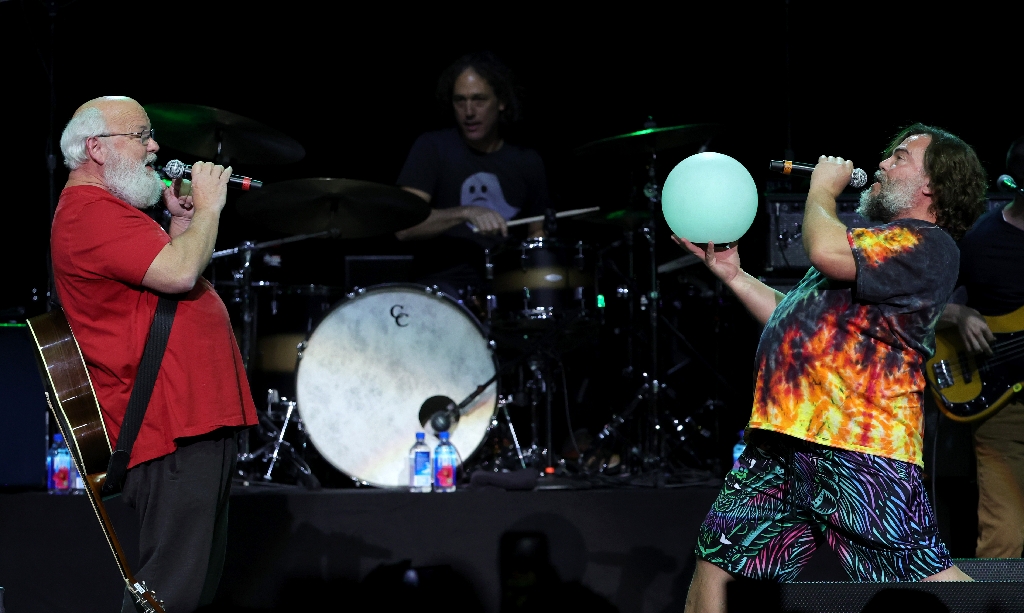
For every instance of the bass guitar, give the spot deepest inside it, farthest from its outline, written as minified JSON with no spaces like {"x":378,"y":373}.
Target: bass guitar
{"x":70,"y":395}
{"x":971,"y":386}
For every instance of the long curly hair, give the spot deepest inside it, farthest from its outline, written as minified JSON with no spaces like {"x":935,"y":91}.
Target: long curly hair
{"x":497,"y":75}
{"x":957,"y":178}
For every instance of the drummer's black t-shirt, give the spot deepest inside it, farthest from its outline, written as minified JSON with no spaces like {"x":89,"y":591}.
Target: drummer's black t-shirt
{"x":510,"y":181}
{"x":992,"y":265}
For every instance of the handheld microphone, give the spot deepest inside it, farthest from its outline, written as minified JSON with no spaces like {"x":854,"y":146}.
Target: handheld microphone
{"x":175,"y":169}
{"x":858,"y":179}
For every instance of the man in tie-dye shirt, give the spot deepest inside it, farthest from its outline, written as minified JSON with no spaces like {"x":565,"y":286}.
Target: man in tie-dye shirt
{"x":834,"y":439}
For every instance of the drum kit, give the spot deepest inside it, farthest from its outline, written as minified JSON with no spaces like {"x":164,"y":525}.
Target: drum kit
{"x":370,"y":366}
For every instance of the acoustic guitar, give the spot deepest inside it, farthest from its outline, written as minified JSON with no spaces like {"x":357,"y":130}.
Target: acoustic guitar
{"x":969,"y":387}
{"x":70,"y":395}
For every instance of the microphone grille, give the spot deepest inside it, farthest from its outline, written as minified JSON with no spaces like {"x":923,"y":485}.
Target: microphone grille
{"x":174,"y":169}
{"x":858,"y":179}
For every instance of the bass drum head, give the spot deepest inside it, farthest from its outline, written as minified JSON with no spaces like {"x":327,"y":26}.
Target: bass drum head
{"x":370,"y":364}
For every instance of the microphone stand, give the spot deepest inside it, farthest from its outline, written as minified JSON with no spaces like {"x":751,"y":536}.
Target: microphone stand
{"x":444,"y":420}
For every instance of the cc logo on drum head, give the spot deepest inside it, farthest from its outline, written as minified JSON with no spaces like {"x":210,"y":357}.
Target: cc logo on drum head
{"x":399,"y":314}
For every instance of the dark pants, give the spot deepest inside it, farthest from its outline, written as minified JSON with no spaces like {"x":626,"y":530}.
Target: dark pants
{"x":182,"y":503}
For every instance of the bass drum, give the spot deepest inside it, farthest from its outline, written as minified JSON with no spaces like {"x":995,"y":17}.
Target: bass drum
{"x":369,"y":365}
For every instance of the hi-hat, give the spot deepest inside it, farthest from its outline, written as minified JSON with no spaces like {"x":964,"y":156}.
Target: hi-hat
{"x":357,"y":209}
{"x":213,"y":134}
{"x":651,"y":139}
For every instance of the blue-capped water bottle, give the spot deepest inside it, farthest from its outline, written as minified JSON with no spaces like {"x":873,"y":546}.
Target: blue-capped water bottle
{"x":58,"y":467}
{"x":420,"y":476}
{"x":446,"y":461}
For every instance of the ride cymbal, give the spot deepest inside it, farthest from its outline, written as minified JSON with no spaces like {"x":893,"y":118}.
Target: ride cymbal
{"x":357,"y":209}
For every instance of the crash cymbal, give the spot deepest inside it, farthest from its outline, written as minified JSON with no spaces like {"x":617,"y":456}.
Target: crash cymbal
{"x":357,"y":209}
{"x":211,"y":134}
{"x":657,"y":139}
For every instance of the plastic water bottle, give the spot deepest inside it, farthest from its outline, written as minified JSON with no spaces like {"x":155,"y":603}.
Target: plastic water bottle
{"x":446,"y":460}
{"x":419,"y":466}
{"x":58,"y":467}
{"x":737,"y":451}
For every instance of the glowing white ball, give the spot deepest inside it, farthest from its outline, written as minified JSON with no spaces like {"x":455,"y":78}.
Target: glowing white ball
{"x":709,"y":197}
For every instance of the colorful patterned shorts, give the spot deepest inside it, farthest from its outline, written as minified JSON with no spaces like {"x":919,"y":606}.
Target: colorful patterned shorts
{"x":787,"y":496}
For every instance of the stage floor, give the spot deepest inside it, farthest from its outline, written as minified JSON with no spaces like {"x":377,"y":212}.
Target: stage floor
{"x":630,"y":548}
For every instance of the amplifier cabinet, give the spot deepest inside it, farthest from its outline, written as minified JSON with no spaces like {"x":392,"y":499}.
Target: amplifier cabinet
{"x":785,"y":233}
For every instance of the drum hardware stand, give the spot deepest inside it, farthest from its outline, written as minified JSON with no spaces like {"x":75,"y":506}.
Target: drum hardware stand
{"x":243,"y":278}
{"x":503,"y":409}
{"x":539,"y":387}
{"x":442,"y":417}
{"x":654,"y":434}
{"x":277,"y":448}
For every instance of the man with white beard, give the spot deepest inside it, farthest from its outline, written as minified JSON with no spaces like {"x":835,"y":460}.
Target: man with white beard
{"x":834,"y":440}
{"x":111,"y":264}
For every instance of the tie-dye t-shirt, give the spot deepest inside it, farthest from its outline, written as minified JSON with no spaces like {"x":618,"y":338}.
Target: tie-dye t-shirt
{"x":840,"y":363}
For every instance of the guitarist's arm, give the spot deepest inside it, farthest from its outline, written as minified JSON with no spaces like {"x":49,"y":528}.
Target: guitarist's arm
{"x":974,"y":330}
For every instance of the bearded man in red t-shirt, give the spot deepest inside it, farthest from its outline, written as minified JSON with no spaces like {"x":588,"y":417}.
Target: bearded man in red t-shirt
{"x":111,"y":262}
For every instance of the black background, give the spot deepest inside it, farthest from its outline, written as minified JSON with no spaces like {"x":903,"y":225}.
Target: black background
{"x":354,"y":84}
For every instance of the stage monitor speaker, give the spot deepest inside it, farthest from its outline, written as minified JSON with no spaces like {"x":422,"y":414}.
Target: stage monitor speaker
{"x":24,"y":425}
{"x":786,"y":255}
{"x":998,"y":588}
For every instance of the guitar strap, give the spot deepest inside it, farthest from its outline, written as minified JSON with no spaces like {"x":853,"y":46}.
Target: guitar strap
{"x":142,"y":391}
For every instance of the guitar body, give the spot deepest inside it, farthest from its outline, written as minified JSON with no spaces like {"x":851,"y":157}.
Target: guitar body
{"x":969,"y":387}
{"x":73,"y":403}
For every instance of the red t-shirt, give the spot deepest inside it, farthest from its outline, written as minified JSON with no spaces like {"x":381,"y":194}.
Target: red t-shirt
{"x":102,"y":248}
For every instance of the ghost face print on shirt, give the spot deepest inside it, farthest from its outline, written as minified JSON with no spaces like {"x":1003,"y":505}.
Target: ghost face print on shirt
{"x":484,"y":189}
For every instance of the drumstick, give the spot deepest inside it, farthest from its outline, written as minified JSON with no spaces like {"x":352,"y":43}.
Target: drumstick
{"x":558,"y":215}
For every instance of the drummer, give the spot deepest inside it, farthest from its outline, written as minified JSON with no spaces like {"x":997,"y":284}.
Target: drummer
{"x":474,"y":181}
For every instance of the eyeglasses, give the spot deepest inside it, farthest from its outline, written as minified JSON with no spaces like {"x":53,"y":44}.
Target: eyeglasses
{"x":144,"y":137}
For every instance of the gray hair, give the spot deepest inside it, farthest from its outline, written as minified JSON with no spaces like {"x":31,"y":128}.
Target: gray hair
{"x":84,"y":125}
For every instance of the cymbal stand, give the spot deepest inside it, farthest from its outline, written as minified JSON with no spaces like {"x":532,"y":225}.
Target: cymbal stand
{"x":653,"y":452}
{"x":652,"y":439}
{"x":243,"y":279}
{"x":539,"y":389}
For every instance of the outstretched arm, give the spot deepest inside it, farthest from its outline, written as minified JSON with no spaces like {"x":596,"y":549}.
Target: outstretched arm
{"x":759,"y":299}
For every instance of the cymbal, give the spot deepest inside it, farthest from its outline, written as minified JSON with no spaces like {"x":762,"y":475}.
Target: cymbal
{"x":357,"y":209}
{"x":630,"y":219}
{"x":200,"y":130}
{"x":657,"y":139}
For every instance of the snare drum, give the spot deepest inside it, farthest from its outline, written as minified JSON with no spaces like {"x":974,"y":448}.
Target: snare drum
{"x":370,"y":364}
{"x":540,"y":280}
